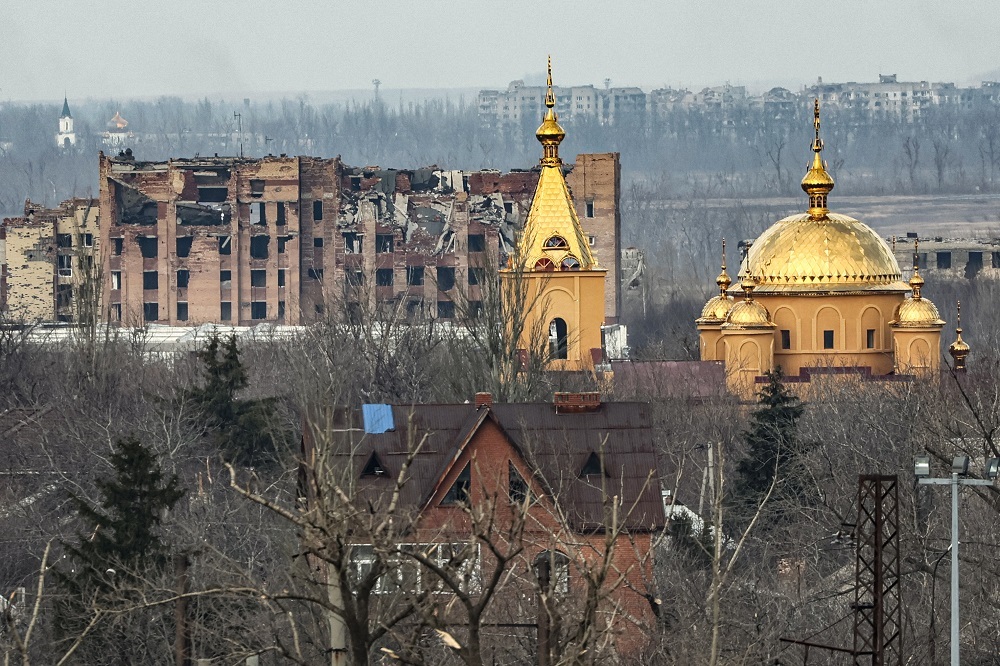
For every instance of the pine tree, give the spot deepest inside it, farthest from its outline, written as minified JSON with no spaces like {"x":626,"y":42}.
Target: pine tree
{"x":772,"y":443}
{"x":120,"y":546}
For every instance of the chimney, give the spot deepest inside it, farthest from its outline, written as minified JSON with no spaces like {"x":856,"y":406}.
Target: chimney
{"x":574,"y":403}
{"x":484,"y":400}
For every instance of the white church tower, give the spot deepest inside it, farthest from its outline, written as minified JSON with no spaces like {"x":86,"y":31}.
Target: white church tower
{"x":66,"y":136}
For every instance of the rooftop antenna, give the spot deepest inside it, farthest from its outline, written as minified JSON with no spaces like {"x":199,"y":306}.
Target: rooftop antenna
{"x":376,"y":83}
{"x":239,"y":126}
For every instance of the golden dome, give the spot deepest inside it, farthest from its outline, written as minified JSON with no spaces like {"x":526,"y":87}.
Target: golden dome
{"x":550,"y":133}
{"x":835,"y":253}
{"x":748,"y":313}
{"x":916,"y":312}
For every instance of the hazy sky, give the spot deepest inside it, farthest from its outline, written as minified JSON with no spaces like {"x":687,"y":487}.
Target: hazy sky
{"x":137,"y":49}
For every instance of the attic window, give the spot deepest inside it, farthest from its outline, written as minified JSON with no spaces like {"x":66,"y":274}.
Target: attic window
{"x":592,"y":467}
{"x":570,"y":263}
{"x":544,"y":264}
{"x":459,"y":491}
{"x":374,"y":467}
{"x":517,"y":487}
{"x":556,"y":243}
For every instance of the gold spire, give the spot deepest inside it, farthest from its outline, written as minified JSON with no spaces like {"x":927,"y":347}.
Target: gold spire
{"x":916,"y":282}
{"x":959,"y":349}
{"x":817,"y":182}
{"x":550,"y":134}
{"x":553,"y":237}
{"x":747,"y":284}
{"x":723,"y":280}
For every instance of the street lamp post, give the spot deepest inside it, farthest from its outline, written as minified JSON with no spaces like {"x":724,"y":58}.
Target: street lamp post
{"x":959,"y":470}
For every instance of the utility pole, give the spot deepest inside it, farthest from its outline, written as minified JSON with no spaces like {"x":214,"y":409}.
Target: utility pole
{"x":239,"y":128}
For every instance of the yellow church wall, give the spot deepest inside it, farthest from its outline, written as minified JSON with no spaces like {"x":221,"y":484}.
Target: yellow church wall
{"x":918,"y":350}
{"x":849,"y":316}
{"x":748,"y":355}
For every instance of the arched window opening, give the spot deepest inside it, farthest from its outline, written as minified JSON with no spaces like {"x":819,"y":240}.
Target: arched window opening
{"x":552,"y":569}
{"x":558,"y":339}
{"x":570,"y":263}
{"x":556,"y":243}
{"x":544,"y":264}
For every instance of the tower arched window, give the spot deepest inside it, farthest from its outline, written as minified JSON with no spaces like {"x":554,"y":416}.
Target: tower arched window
{"x":544,"y":264}
{"x":552,"y":569}
{"x":556,"y":243}
{"x":558,"y":339}
{"x":570,"y":263}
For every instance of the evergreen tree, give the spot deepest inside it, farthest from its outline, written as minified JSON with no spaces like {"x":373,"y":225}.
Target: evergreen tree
{"x":120,"y":547}
{"x":771,"y":442}
{"x":242,"y":429}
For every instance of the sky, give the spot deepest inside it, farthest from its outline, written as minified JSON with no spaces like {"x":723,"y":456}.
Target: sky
{"x":122,"y":50}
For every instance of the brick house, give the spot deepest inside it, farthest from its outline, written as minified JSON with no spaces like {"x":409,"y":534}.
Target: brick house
{"x":573,"y":484}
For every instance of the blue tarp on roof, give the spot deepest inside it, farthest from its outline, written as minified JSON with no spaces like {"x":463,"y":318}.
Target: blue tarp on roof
{"x":378,"y":418}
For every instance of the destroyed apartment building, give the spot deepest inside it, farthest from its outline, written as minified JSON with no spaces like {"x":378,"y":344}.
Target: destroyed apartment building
{"x":48,"y":268}
{"x":286,"y":240}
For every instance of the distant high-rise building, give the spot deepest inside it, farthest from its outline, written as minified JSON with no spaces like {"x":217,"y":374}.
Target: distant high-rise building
{"x":66,"y":137}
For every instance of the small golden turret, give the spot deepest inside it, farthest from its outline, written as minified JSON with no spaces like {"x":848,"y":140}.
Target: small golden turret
{"x":817,"y":182}
{"x":723,"y":280}
{"x":550,"y":134}
{"x":916,"y":282}
{"x":748,"y":313}
{"x":959,"y":349}
{"x":916,"y":312}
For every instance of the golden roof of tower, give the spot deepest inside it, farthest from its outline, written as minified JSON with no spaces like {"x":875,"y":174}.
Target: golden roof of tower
{"x":748,"y":313}
{"x":553,"y":238}
{"x":820,"y":251}
{"x":716,"y":309}
{"x":916,"y":313}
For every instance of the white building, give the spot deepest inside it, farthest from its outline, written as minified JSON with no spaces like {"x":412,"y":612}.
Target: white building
{"x":66,"y":137}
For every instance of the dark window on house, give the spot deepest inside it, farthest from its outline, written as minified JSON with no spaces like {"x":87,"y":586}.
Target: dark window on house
{"x":383,"y":277}
{"x":354,"y":278}
{"x":116,"y":279}
{"x":88,"y":240}
{"x":996,"y":260}
{"x":150,"y":280}
{"x":355,"y":183}
{"x":446,"y":309}
{"x":225,"y":245}
{"x":827,"y":339}
{"x":225,"y":311}
{"x":64,"y":262}
{"x":870,"y":338}
{"x":150,"y":311}
{"x":258,"y":246}
{"x":373,"y":467}
{"x":257,"y":213}
{"x":384,"y":243}
{"x":182,"y":311}
{"x":64,"y":240}
{"x":318,"y":241}
{"x":944,"y":259}
{"x":786,"y":339}
{"x":282,"y":272}
{"x":280,"y":220}
{"x":281,"y":309}
{"x":413,"y":307}
{"x":414,"y":275}
{"x":148,"y":246}
{"x":317,"y":210}
{"x":316,"y":273}
{"x":116,"y":311}
{"x":118,"y":243}
{"x":258,"y":278}
{"x":517,"y":487}
{"x":212,"y":194}
{"x":256,"y":188}
{"x":590,"y":209}
{"x":226,"y":279}
{"x":475,"y":275}
{"x":508,"y":207}
{"x":258,"y":309}
{"x":974,"y":265}
{"x":64,"y":295}
{"x":183,"y":275}
{"x":477,"y":243}
{"x":184,"y":245}
{"x":593,"y":466}
{"x":352,"y":243}
{"x":445,"y":278}
{"x":475,"y":309}
{"x":558,"y":339}
{"x":281,"y":243}
{"x":459,"y":491}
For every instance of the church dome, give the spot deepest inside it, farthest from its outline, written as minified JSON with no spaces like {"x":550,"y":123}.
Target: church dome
{"x":916,"y":312}
{"x":716,"y":309}
{"x":834,"y":253}
{"x":748,"y":313}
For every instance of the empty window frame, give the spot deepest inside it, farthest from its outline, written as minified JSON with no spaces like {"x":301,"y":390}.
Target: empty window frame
{"x":459,"y":491}
{"x":445,"y":278}
{"x":225,"y":245}
{"x":282,"y":276}
{"x":183,"y":275}
{"x":258,"y":278}
{"x":384,"y":243}
{"x":827,"y":339}
{"x":64,"y":262}
{"x":870,"y":338}
{"x":446,"y":309}
{"x":149,"y":246}
{"x":258,"y":246}
{"x":64,"y":241}
{"x":281,"y":218}
{"x":786,"y":339}
{"x":88,"y":240}
{"x":118,"y":243}
{"x":226,"y":279}
{"x":317,"y":210}
{"x":352,"y":242}
{"x":415,"y":276}
{"x":116,"y":279}
{"x":944,"y":260}
{"x":383,"y":277}
{"x":477,"y":242}
{"x":151,"y":311}
{"x":226,"y":311}
{"x":558,"y":339}
{"x":590,"y":208}
{"x":315,"y":273}
{"x":182,"y":311}
{"x":184,"y":246}
{"x":318,"y":241}
{"x":150,"y":280}
{"x":281,"y":309}
{"x":258,"y":309}
{"x":256,"y":187}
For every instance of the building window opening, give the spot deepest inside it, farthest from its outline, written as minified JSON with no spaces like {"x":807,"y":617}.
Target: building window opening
{"x":88,"y":240}
{"x":316,"y":273}
{"x":415,"y":276}
{"x":281,"y":243}
{"x":570,"y":263}
{"x":318,"y":241}
{"x":552,"y":569}
{"x":374,"y":467}
{"x":446,"y":309}
{"x":258,"y":278}
{"x":64,"y":263}
{"x":258,"y":246}
{"x":258,"y":214}
{"x":280,"y":220}
{"x":352,"y":243}
{"x":827,"y":339}
{"x":150,"y":311}
{"x":226,"y":279}
{"x":182,"y":311}
{"x":384,"y":243}
{"x":944,"y":260}
{"x":118,"y":243}
{"x":477,"y":242}
{"x":445,"y":278}
{"x":476,"y":274}
{"x":870,"y":338}
{"x":212,"y":194}
{"x":317,"y":210}
{"x":64,"y":241}
{"x":116,"y":311}
{"x":556,"y":243}
{"x":281,"y":309}
{"x":517,"y":487}
{"x":590,"y":208}
{"x":225,"y":245}
{"x":354,"y":278}
{"x":593,"y":466}
{"x":558,"y":339}
{"x":383,"y":277}
{"x":183,"y":275}
{"x":226,"y":311}
{"x":64,"y":296}
{"x":184,"y":246}
{"x":148,"y":246}
{"x":258,"y":309}
{"x":150,"y":280}
{"x":256,"y":188}
{"x":282,"y":272}
{"x":508,"y":207}
{"x":974,"y":265}
{"x":116,"y":279}
{"x":459,"y":491}
{"x":544,"y":264}
{"x":786,"y":339}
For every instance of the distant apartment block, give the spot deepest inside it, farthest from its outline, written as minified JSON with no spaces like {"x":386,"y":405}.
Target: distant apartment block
{"x":519,"y":103}
{"x":49,"y":268}
{"x":890,"y":97}
{"x":949,"y":257}
{"x":285,"y":239}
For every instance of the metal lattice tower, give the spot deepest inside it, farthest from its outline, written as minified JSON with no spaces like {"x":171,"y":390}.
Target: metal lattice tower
{"x":877,"y":606}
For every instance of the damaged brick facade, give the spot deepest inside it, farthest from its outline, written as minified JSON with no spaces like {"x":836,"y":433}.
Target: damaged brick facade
{"x":49,"y":267}
{"x":285,"y":240}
